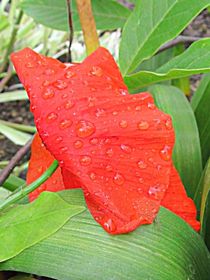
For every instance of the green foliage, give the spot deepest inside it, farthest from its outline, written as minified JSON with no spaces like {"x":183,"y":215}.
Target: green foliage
{"x":200,"y":104}
{"x":167,"y":249}
{"x":187,"y":153}
{"x":26,"y":225}
{"x":195,"y":60}
{"x":108,"y":14}
{"x":152,"y":24}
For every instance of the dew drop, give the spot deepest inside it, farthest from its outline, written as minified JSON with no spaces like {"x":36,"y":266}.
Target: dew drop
{"x":118,"y":179}
{"x":168,"y":124}
{"x":85,"y":160}
{"x":92,"y":176}
{"x":78,"y":144}
{"x":69,"y":74}
{"x":52,"y":116}
{"x":65,"y":95}
{"x":58,"y":139}
{"x":165,"y":153}
{"x":96,"y":71}
{"x":30,"y":65}
{"x":48,"y":93}
{"x":94,"y":141}
{"x":45,"y":83}
{"x":60,"y":84}
{"x":85,"y":129}
{"x":143,"y":125}
{"x":65,"y":124}
{"x":110,"y":152}
{"x":109,"y":168}
{"x":151,"y":106}
{"x":123,"y":124}
{"x":68,"y":105}
{"x":63,"y":149}
{"x":115,"y":113}
{"x":141,"y":164}
{"x":49,"y":72}
{"x":109,"y":225}
{"x":138,"y":108}
{"x":126,"y":149}
{"x":100,"y":112}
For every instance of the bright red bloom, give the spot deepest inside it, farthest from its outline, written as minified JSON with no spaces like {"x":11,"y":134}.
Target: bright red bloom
{"x":115,"y":146}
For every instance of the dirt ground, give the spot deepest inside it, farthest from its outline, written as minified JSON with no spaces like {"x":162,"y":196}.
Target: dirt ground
{"x":19,"y":111}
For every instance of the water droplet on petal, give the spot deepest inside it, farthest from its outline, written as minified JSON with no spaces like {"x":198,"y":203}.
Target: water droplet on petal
{"x":141,"y":164}
{"x":96,"y":71}
{"x":118,"y":179}
{"x":78,"y":144}
{"x":60,"y":84}
{"x":94,"y":141}
{"x":59,"y":139}
{"x":69,"y":74}
{"x":123,"y":124}
{"x":65,"y":95}
{"x":165,"y":153}
{"x":49,"y":72}
{"x":126,"y":149}
{"x":46,"y":83}
{"x":30,"y":65}
{"x":110,"y":152}
{"x":68,"y":105}
{"x":138,"y":108}
{"x":85,"y":129}
{"x":109,"y":168}
{"x":143,"y":125}
{"x":100,"y":112}
{"x":109,"y":225}
{"x":65,"y":124}
{"x":92,"y":176}
{"x":85,"y":160}
{"x":114,"y":113}
{"x":151,"y":106}
{"x":52,"y":116}
{"x":64,"y":149}
{"x":48,"y":93}
{"x":168,"y":124}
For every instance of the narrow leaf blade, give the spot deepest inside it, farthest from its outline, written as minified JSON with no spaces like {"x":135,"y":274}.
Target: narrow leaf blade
{"x":151,"y":25}
{"x":187,"y":153}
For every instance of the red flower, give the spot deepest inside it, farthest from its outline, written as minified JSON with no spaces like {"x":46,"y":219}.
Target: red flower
{"x":115,"y":146}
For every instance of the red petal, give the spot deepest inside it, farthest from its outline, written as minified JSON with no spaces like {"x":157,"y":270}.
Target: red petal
{"x":117,"y":146}
{"x":40,"y":161}
{"x":177,"y":201}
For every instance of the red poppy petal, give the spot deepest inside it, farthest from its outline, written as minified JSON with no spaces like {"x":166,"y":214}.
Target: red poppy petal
{"x":39,"y":162}
{"x":117,"y":146}
{"x":177,"y":201}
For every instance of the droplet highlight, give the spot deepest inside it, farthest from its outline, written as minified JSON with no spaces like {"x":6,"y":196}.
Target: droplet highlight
{"x":85,"y":128}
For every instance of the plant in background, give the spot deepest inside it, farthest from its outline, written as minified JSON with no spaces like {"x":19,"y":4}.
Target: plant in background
{"x":117,"y":148}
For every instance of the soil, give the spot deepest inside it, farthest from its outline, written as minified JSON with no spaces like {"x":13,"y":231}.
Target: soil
{"x":18,"y":112}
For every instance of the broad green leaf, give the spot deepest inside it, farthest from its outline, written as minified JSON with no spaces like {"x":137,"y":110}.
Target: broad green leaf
{"x":195,"y":60}
{"x":13,"y":96}
{"x":168,"y":249}
{"x":26,"y":225}
{"x":187,"y":153}
{"x":3,"y":22}
{"x":153,"y":23}
{"x":201,"y":106}
{"x":17,"y":137}
{"x":108,"y":13}
{"x":3,"y":194}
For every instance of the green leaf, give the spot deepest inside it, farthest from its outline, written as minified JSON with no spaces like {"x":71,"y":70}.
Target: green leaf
{"x":203,"y":197}
{"x":167,"y":249}
{"x":187,"y":153}
{"x":20,"y":127}
{"x":153,"y":23}
{"x":13,"y":182}
{"x":195,"y":60}
{"x":201,"y":106}
{"x":17,"y":137}
{"x":13,"y":96}
{"x":108,"y":13}
{"x":26,"y":225}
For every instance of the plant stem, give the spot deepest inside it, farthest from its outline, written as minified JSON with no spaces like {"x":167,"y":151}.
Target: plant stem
{"x":88,"y":25}
{"x":71,"y":30}
{"x":11,"y":42}
{"x":23,"y":191}
{"x":14,"y":161}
